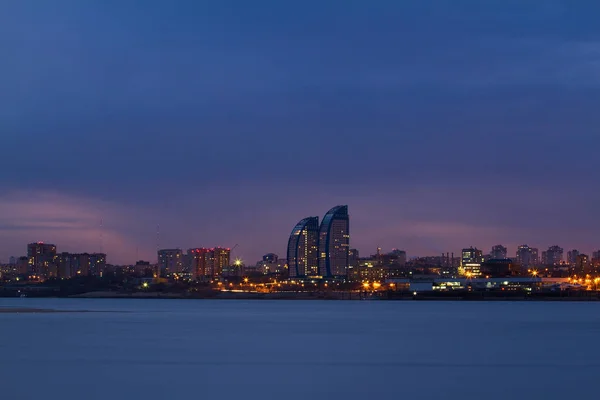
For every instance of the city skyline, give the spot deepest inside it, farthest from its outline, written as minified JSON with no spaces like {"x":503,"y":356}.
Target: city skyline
{"x":520,"y":253}
{"x":442,"y":125}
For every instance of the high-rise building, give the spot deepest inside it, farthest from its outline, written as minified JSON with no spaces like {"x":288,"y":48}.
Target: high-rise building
{"x":23,"y":265}
{"x":222,"y":259}
{"x":552,"y":256}
{"x":527,"y":256}
{"x":582,"y":264}
{"x":334,"y":242}
{"x":353,"y":257}
{"x":198,"y":259}
{"x":207,"y":263}
{"x":471,"y":261}
{"x":73,"y":264}
{"x":42,"y":259}
{"x":170,"y":261}
{"x":303,"y":248}
{"x":572,"y":257}
{"x":498,"y":252}
{"x":271,"y":265}
{"x":535,"y":256}
{"x":401,"y":256}
{"x":596,"y":258}
{"x":97,"y":264}
{"x":143,"y":268}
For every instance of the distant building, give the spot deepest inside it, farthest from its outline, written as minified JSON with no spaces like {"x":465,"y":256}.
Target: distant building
{"x":23,"y":265}
{"x":42,"y":259}
{"x":572,"y":257}
{"x":170,"y":261}
{"x":97,"y":264}
{"x":272,"y":265}
{"x":143,"y":268}
{"x":527,"y":256}
{"x":497,"y":268}
{"x":198,"y":262}
{"x":208,"y":262}
{"x":73,"y":264}
{"x":221,"y":259}
{"x":582,"y":264}
{"x":596,"y":258}
{"x":270,"y":258}
{"x":471,"y":261}
{"x":334,"y":243}
{"x":400,"y":256}
{"x":498,"y":252}
{"x":278,"y":268}
{"x":353,"y":258}
{"x":552,"y":256}
{"x":303,"y":247}
{"x":12,"y":261}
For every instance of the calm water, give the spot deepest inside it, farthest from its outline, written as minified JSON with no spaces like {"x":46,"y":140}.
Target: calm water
{"x":171,"y":349}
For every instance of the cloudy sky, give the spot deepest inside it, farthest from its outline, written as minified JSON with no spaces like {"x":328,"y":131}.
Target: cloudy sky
{"x":442,"y":124}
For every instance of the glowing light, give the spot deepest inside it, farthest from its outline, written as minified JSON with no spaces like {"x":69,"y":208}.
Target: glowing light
{"x":237,"y":262}
{"x":145,"y":284}
{"x":366,"y":285}
{"x":245,"y":280}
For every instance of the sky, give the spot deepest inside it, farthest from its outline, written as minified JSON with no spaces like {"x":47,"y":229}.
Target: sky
{"x":442,"y":124}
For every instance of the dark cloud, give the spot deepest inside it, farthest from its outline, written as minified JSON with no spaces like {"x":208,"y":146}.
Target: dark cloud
{"x":222,"y":119}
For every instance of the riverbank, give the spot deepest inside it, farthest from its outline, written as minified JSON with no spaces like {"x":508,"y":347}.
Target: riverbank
{"x":397,"y":296}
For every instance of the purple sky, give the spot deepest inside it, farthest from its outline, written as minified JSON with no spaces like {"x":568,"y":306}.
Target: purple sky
{"x":441,"y":124}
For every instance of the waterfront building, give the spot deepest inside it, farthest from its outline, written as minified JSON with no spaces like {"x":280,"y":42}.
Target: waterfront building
{"x":334,"y":243}
{"x":205,"y":263}
{"x":471,"y":261}
{"x":272,"y":265}
{"x":500,"y":267}
{"x":73,"y":264}
{"x":198,"y":260}
{"x":170,"y":261}
{"x":303,"y":247}
{"x":42,"y":259}
{"x":221,"y":260}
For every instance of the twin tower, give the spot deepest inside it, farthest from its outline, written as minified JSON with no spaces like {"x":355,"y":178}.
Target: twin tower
{"x":320,"y":250}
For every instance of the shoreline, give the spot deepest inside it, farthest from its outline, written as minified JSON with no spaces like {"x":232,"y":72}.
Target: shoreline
{"x":331,"y":296}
